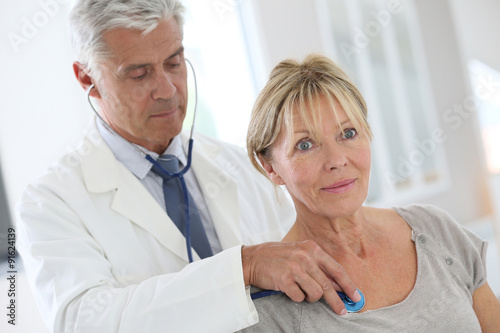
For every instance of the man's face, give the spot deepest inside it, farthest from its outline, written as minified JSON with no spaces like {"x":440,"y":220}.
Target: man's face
{"x":143,"y":85}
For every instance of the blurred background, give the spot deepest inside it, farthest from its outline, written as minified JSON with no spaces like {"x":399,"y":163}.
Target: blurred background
{"x":429,"y":70}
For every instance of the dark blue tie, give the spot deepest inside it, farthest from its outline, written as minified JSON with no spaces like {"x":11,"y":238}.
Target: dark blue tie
{"x":174,"y":202}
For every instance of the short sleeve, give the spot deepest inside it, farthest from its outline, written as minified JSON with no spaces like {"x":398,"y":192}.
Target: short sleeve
{"x":457,"y":240}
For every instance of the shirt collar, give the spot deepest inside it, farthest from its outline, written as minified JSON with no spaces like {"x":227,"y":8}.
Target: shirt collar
{"x":175,"y":148}
{"x":132,"y":155}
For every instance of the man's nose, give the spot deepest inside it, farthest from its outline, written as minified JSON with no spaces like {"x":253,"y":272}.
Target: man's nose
{"x":165,"y":87}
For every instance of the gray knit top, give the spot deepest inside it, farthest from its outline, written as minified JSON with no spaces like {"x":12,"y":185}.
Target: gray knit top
{"x":451,"y":265}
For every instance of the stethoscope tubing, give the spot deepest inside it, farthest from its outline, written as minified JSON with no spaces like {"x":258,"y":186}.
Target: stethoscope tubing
{"x":350,"y":305}
{"x":179,"y":174}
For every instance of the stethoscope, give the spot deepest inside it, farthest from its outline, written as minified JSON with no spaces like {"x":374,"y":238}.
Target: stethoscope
{"x":179,"y":174}
{"x":349,"y":304}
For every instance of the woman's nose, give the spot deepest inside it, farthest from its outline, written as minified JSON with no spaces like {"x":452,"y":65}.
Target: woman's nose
{"x":334,"y":156}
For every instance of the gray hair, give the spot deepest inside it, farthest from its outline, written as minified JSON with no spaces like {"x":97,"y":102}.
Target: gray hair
{"x":90,"y":19}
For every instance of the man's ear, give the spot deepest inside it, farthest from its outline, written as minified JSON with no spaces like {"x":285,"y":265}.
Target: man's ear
{"x":84,"y":79}
{"x":271,"y":172}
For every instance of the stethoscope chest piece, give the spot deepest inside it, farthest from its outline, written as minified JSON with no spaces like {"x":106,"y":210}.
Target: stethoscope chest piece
{"x":350,"y":305}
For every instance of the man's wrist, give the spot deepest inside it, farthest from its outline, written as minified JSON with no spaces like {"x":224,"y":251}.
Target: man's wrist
{"x":246,"y":259}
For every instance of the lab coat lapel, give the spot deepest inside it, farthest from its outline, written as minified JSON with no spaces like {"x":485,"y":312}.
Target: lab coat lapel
{"x":103,"y":173}
{"x":135,"y":202}
{"x":220,"y":192}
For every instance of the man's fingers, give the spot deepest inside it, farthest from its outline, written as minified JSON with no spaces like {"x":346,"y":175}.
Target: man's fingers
{"x":317,"y":284}
{"x":333,"y":299}
{"x":295,"y":293}
{"x":330,"y":277}
{"x":302,"y":270}
{"x":320,"y":285}
{"x":310,"y":287}
{"x":341,"y":282}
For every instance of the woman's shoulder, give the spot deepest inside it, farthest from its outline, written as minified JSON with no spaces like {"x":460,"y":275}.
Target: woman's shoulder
{"x":429,"y":219}
{"x":437,"y":224}
{"x":453,"y":237}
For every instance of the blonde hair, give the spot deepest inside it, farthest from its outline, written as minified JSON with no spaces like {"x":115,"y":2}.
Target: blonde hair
{"x":299,"y":86}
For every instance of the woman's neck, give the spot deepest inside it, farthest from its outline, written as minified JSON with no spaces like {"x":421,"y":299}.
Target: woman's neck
{"x":347,"y":235}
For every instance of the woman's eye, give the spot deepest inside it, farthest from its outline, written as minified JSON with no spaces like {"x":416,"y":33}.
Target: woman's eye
{"x":304,"y":145}
{"x":349,"y":133}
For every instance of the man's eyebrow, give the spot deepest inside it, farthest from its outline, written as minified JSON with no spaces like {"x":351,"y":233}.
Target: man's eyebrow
{"x":176,"y":53}
{"x":132,"y":67}
{"x":136,"y":66}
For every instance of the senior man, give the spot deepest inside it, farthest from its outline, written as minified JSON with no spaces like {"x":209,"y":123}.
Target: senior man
{"x":103,"y":247}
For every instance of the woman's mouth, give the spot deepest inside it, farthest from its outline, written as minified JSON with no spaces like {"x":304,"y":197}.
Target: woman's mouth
{"x":341,"y":186}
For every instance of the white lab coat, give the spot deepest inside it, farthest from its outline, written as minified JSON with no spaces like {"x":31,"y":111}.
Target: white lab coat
{"x":102,"y":256}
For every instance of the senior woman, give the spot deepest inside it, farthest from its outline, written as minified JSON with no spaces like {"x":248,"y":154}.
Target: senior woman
{"x":418,"y":269}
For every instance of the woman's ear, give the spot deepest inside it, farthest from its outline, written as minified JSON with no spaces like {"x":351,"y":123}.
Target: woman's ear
{"x":84,"y":79}
{"x":271,"y":172}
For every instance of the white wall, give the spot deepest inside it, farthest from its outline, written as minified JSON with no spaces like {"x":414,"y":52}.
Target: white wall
{"x":477,"y":25}
{"x":467,"y":197}
{"x":42,"y":114}
{"x":42,"y":109}
{"x":286,"y":29}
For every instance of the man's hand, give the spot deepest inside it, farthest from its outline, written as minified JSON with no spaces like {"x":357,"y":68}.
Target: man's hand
{"x":301,"y":270}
